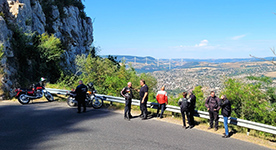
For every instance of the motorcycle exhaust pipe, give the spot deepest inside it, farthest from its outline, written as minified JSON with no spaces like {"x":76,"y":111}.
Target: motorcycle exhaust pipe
{"x":32,"y":97}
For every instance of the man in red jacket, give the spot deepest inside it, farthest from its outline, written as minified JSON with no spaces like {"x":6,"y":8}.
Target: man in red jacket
{"x":162,"y":99}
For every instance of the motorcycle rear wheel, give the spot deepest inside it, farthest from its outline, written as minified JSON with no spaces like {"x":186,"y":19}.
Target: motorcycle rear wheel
{"x":70,"y":102}
{"x":23,"y":99}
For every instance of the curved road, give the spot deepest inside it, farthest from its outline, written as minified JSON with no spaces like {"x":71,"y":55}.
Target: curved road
{"x":43,"y":125}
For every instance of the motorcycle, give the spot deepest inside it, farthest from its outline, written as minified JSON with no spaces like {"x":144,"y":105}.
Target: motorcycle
{"x":91,"y":98}
{"x":25,"y":95}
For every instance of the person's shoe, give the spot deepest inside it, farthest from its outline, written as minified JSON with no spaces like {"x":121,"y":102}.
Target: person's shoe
{"x":130,"y":116}
{"x":210,"y":128}
{"x":216,"y":129}
{"x":161,"y":117}
{"x":225,"y":136}
{"x":190,"y":127}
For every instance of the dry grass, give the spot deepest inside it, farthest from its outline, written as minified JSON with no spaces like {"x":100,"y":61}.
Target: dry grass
{"x":271,"y":74}
{"x":232,"y":65}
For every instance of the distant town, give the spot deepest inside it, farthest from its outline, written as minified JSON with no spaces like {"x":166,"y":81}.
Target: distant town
{"x":211,"y":78}
{"x":185,"y":74}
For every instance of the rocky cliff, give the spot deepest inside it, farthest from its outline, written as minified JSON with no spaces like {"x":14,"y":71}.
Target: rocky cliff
{"x":74,"y":31}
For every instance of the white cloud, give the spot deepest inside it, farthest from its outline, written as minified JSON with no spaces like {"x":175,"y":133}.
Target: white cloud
{"x":202,"y":43}
{"x":238,"y":37}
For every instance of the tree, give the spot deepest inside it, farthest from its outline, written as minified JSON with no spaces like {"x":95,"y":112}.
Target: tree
{"x":107,"y":77}
{"x":200,"y":104}
{"x":249,"y":101}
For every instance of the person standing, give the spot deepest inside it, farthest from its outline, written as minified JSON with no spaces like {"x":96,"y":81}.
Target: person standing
{"x":192,"y":99}
{"x":143,"y":99}
{"x":226,"y":112}
{"x":162,"y":99}
{"x":127,"y":94}
{"x":213,"y":105}
{"x":81,"y":95}
{"x":184,"y":109}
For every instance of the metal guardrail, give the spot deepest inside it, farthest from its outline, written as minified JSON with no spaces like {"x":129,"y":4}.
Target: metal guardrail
{"x":57,"y":91}
{"x":202,"y":114}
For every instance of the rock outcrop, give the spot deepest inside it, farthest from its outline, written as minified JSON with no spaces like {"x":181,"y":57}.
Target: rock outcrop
{"x":75,"y":33}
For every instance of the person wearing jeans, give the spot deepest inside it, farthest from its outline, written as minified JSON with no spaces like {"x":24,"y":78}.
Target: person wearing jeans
{"x":162,"y":99}
{"x":226,"y":112}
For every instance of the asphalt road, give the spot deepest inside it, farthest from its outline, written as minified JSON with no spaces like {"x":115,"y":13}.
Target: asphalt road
{"x":43,"y":125}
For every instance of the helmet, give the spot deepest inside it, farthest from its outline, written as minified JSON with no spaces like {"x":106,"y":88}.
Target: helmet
{"x":90,"y":85}
{"x":42,"y":79}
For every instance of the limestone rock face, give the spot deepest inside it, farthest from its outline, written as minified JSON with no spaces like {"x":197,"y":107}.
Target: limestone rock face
{"x":76,"y":33}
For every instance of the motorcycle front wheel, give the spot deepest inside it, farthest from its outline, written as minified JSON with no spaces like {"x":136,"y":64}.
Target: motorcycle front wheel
{"x":71,"y":101}
{"x":49,"y":96}
{"x":23,"y":99}
{"x":97,"y":102}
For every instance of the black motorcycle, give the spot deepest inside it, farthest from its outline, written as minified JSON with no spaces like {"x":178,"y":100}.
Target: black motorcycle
{"x":91,"y":98}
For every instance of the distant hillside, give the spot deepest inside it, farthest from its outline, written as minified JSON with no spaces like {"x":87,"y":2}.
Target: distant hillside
{"x":129,"y":58}
{"x":150,"y":64}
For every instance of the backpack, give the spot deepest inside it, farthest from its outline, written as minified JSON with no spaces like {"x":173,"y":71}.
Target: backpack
{"x":184,"y":104}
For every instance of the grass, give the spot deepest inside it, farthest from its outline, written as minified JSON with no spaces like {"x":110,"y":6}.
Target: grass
{"x":57,"y":86}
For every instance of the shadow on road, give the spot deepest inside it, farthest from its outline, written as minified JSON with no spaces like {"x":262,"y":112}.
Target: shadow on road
{"x":25,"y":126}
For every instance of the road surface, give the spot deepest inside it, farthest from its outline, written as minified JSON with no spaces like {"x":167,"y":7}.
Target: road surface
{"x":45,"y":125}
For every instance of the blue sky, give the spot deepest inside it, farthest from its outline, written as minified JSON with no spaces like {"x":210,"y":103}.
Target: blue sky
{"x":184,"y":28}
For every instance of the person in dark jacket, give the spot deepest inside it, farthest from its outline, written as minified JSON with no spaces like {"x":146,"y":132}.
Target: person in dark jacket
{"x":143,"y":92}
{"x":226,"y":112}
{"x":127,"y":94}
{"x":192,"y":99}
{"x":143,"y":99}
{"x":184,"y":108}
{"x":212,"y":104}
{"x":81,"y":95}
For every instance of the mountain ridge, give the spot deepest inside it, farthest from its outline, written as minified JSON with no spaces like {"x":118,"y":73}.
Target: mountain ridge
{"x":131,"y":58}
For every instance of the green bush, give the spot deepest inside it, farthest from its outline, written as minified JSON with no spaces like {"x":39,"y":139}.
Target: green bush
{"x":36,"y":56}
{"x":107,"y":77}
{"x":200,"y":99}
{"x":250,"y":101}
{"x":1,"y":51}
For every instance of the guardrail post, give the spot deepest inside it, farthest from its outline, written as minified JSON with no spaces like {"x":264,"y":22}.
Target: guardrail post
{"x":111,"y":103}
{"x":173,"y":114}
{"x":248,"y":130}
